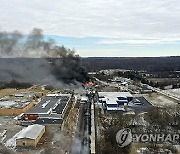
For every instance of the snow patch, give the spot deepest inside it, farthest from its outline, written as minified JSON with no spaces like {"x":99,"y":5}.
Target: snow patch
{"x":7,"y":104}
{"x":173,"y":92}
{"x":11,"y":143}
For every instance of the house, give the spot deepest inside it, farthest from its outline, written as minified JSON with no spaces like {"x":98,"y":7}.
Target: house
{"x":30,"y":136}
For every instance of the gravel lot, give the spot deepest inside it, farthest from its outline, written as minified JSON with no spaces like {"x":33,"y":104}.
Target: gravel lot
{"x":9,"y":124}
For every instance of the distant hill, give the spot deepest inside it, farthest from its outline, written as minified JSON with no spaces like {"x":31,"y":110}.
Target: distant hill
{"x":135,"y":63}
{"x":54,"y":70}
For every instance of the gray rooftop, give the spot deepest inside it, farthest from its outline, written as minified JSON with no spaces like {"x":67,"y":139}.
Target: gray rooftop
{"x":51,"y":116}
{"x":50,"y":103}
{"x":31,"y":132}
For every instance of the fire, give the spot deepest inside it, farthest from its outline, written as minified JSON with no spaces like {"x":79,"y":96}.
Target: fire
{"x":89,"y":83}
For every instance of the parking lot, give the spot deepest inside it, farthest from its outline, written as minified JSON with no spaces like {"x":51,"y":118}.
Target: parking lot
{"x":144,"y":107}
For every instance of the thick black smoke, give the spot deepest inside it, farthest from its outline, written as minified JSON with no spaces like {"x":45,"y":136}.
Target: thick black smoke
{"x":33,"y":59}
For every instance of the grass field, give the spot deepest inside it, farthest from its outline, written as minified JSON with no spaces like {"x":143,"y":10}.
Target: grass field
{"x":160,"y":100}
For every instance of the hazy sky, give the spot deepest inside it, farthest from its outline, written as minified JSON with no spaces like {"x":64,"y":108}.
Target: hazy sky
{"x":100,"y":27}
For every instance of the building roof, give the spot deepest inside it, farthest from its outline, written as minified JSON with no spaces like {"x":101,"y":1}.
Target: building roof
{"x":116,"y":94}
{"x":50,"y":116}
{"x":51,"y":103}
{"x":84,"y":98}
{"x":19,"y":95}
{"x":112,"y":97}
{"x":58,"y":94}
{"x":45,"y":121}
{"x":59,"y":108}
{"x":31,"y":132}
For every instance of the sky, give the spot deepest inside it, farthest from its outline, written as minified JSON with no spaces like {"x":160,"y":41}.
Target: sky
{"x":100,"y":28}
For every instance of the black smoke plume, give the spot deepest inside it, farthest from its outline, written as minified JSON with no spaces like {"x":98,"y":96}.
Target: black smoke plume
{"x":32,"y":59}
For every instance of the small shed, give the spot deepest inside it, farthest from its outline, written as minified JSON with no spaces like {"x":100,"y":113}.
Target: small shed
{"x":30,"y":136}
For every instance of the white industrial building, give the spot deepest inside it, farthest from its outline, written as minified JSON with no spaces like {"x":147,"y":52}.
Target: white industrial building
{"x":114,"y":100}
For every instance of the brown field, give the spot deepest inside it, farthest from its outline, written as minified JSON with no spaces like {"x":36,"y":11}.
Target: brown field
{"x":162,"y":80}
{"x":159,"y":100}
{"x":8,"y":91}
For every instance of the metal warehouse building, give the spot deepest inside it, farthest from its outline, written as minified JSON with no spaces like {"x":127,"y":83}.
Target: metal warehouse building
{"x":30,"y":136}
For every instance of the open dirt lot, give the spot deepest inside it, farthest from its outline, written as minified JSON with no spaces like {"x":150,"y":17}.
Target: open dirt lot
{"x":8,"y":125}
{"x":53,"y":141}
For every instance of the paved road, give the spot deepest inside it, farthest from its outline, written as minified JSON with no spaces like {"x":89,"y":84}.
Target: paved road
{"x":145,"y":107}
